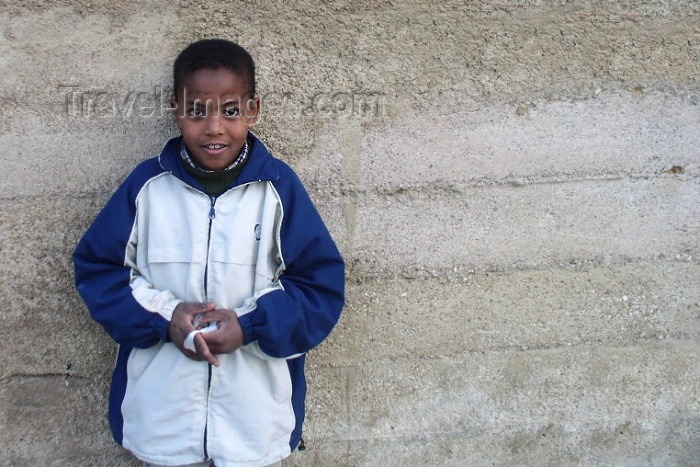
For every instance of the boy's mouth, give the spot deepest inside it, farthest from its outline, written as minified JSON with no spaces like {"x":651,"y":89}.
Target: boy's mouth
{"x":213,"y":147}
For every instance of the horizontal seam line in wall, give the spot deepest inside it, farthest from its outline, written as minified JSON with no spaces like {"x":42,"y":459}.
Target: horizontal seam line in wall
{"x":639,"y":343}
{"x":26,"y":376}
{"x":437,"y":186}
{"x":461,"y":187}
{"x":57,"y":196}
{"x":575,"y":264}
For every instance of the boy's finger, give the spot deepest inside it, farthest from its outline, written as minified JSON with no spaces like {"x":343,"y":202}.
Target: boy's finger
{"x":202,"y":308}
{"x":214,"y":315}
{"x":193,"y":309}
{"x":203,"y":350}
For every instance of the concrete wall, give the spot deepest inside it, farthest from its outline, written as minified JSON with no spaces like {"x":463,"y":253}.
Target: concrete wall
{"x":517,"y":201}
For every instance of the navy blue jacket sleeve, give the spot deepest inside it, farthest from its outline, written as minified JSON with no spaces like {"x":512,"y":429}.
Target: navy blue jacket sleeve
{"x":297,"y":317}
{"x":103,"y":278}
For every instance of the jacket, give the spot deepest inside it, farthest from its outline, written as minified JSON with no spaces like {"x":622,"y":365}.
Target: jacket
{"x":261,"y":249}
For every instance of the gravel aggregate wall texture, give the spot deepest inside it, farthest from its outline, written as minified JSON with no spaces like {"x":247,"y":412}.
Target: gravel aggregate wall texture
{"x":514,"y":185}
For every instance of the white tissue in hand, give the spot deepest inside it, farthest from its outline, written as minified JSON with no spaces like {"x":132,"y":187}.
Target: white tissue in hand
{"x":189,"y":340}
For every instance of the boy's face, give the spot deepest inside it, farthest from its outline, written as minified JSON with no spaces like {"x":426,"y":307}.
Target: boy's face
{"x":214,"y":112}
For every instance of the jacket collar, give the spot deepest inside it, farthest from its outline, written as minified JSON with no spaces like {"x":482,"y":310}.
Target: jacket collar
{"x":259,"y":167}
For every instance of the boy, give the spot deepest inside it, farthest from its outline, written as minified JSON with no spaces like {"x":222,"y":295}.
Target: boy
{"x":214,"y":273}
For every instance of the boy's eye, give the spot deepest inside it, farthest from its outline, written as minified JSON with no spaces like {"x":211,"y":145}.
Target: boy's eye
{"x":230,"y":111}
{"x":196,"y":112}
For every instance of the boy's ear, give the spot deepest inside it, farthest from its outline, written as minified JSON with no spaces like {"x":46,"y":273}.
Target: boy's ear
{"x":252,"y":110}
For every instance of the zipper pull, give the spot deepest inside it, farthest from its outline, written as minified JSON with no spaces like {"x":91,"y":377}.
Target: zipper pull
{"x":212,"y":212}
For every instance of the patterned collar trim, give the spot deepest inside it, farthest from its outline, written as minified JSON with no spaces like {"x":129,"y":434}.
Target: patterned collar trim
{"x":242,"y":156}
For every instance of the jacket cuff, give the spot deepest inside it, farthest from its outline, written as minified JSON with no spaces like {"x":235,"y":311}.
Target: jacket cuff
{"x":246,"y":322}
{"x":161,"y":324}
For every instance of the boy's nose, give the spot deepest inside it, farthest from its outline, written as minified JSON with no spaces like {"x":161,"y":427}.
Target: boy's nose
{"x":214,"y":124}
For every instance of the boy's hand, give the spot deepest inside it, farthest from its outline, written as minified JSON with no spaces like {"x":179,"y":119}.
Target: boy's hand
{"x":228,"y":337}
{"x":181,"y":324}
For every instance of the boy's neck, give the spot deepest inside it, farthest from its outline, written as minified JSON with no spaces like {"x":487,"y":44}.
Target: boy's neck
{"x":214,"y":182}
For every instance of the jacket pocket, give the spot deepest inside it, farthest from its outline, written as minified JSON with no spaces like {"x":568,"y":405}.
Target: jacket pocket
{"x":177,"y":268}
{"x":231,"y":277}
{"x":234,"y":255}
{"x":171,"y":254}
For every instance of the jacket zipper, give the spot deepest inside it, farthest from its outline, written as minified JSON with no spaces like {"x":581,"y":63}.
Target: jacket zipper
{"x":212,"y":214}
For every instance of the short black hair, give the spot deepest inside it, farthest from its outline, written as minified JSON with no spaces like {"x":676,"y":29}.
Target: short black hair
{"x":214,"y":54}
